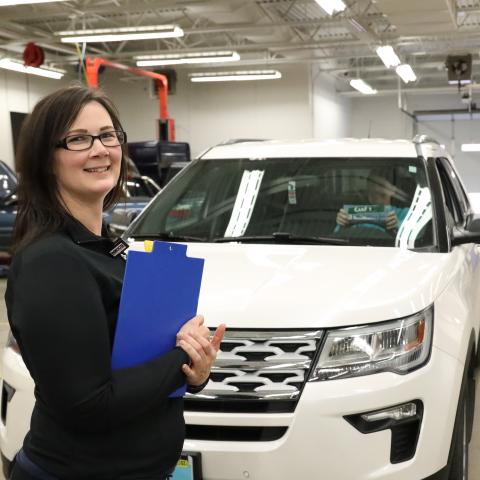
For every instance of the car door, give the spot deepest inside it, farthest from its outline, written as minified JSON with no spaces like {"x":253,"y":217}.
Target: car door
{"x":457,"y":209}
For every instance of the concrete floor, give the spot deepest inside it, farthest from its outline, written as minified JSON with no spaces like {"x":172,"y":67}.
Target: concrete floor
{"x":474,"y":467}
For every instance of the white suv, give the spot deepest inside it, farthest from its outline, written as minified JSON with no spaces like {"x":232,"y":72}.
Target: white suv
{"x":353,"y":319}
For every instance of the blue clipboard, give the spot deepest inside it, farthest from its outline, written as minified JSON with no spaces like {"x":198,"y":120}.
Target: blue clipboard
{"x":159,"y":294}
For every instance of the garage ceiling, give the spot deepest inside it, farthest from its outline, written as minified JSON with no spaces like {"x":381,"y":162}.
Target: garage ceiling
{"x":265,"y":33}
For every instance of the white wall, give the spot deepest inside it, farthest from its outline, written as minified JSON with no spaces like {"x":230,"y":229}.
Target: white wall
{"x":19,"y":93}
{"x":331,"y":112}
{"x":208,"y":113}
{"x":302,"y":104}
{"x":205,"y":114}
{"x":381,"y":116}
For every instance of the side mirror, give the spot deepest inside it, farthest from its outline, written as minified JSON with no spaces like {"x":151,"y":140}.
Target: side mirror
{"x":132,"y":215}
{"x":470,"y":234}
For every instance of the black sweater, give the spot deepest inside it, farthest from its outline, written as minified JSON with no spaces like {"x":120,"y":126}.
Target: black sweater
{"x":89,"y":422}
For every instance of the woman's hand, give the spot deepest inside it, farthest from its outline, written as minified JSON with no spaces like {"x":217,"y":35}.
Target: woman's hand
{"x":194,"y":326}
{"x":342,"y":218}
{"x":202,"y":353}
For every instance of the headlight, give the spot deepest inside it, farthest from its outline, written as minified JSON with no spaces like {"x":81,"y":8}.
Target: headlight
{"x":398,"y":346}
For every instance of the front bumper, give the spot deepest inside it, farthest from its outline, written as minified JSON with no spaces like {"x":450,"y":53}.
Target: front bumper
{"x":16,"y":413}
{"x":320,"y":443}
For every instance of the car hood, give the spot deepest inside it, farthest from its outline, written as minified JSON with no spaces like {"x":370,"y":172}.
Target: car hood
{"x":304,"y":286}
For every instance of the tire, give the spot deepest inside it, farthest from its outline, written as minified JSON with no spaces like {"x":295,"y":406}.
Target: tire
{"x":458,"y":469}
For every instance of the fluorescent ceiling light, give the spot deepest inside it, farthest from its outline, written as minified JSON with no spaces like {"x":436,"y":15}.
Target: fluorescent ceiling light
{"x":388,"y":56}
{"x":332,"y":6}
{"x":406,"y":73}
{"x":362,"y":87}
{"x":17,"y":66}
{"x":6,"y":3}
{"x":465,"y":81}
{"x":236,"y":76}
{"x":120,"y":34}
{"x":470,"y":147}
{"x":190,"y":58}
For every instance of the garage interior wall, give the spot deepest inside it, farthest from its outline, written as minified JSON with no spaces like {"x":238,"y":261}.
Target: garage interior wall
{"x":331,"y":112}
{"x":209,"y":113}
{"x":381,"y":117}
{"x":205,"y":114}
{"x":19,"y":93}
{"x":302,"y":104}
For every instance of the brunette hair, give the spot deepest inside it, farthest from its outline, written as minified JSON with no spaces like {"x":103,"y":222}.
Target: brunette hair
{"x":380,"y":178}
{"x":40,"y":210}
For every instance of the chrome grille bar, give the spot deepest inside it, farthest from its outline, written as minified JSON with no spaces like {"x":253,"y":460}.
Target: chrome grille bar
{"x":261,"y":365}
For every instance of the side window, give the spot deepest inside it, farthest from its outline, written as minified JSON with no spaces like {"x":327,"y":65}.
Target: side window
{"x":453,"y":209}
{"x":8,"y":183}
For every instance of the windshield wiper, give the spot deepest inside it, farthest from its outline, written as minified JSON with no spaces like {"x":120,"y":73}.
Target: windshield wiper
{"x":283,"y":237}
{"x":170,"y":237}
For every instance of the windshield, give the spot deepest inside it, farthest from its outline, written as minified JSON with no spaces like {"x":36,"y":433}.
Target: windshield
{"x":383,"y":202}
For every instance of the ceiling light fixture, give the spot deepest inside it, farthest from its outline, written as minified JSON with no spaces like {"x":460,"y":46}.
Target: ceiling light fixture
{"x":120,"y":34}
{"x":470,"y":147}
{"x":388,"y":56}
{"x":406,"y":73}
{"x":186,"y":58}
{"x":332,"y":6}
{"x":17,"y":66}
{"x":362,"y":86}
{"x":7,"y":3}
{"x":461,"y":82}
{"x":236,"y":76}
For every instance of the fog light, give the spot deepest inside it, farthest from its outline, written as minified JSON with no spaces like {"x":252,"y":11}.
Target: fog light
{"x":403,"y":420}
{"x":401,"y":412}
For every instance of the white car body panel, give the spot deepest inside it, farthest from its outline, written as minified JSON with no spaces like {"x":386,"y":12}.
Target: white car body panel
{"x":345,"y":147}
{"x":18,"y":420}
{"x":373,"y":285}
{"x":319,"y":439}
{"x":323,"y":287}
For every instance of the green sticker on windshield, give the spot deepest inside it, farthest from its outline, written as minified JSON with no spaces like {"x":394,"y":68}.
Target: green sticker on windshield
{"x":412,"y":169}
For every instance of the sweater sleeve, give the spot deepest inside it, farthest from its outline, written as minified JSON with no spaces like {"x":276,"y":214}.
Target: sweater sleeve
{"x":60,"y":323}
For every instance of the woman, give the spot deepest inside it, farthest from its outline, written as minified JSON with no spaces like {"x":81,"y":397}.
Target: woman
{"x":379,"y":192}
{"x":63,"y":292}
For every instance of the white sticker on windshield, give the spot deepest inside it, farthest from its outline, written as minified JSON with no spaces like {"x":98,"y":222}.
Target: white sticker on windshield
{"x":292,"y":192}
{"x":244,"y":203}
{"x":412,"y":169}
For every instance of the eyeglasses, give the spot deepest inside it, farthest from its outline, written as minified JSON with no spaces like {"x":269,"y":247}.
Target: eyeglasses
{"x":84,"y":141}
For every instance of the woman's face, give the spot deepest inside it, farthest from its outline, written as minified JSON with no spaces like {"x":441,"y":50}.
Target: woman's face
{"x":87,"y":176}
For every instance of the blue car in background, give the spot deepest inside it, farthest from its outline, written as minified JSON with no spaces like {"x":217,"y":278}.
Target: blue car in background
{"x":138,"y":192}
{"x":8,"y":212}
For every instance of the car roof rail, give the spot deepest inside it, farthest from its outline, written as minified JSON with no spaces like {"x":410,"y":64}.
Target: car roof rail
{"x":424,"y":139}
{"x":233,"y":141}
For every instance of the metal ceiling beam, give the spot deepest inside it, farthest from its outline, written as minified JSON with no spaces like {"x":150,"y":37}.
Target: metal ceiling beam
{"x":131,"y":6}
{"x":452,"y":10}
{"x":411,"y":90}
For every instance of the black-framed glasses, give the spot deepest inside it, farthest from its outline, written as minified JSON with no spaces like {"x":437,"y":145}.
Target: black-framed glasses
{"x":84,"y":141}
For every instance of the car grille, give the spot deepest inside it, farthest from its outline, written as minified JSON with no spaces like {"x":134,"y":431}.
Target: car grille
{"x":258,"y":371}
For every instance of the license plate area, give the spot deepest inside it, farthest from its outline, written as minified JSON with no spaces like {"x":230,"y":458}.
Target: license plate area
{"x":189,"y":467}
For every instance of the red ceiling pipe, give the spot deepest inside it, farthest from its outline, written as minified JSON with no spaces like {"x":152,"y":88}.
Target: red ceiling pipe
{"x":93,"y":65}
